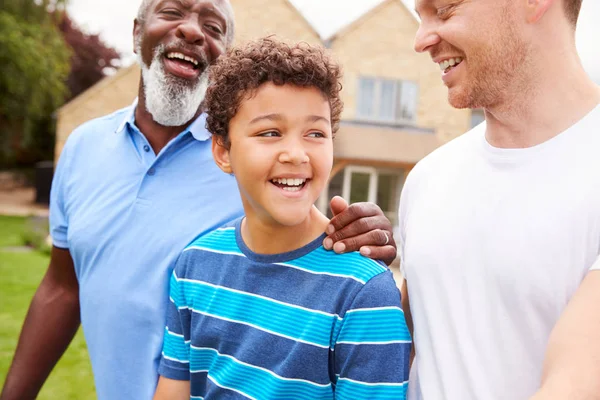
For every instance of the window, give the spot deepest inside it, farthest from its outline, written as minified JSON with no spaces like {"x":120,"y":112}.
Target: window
{"x":477,"y":117}
{"x":386,"y":100}
{"x":356,"y":184}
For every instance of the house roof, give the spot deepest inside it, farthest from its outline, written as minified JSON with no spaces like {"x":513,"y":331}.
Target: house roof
{"x":322,"y":24}
{"x":303,"y":17}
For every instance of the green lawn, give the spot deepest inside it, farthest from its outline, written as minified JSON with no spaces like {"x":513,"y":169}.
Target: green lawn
{"x":20,"y":274}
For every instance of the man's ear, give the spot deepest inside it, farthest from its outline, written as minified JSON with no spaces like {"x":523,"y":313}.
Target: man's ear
{"x":537,"y":8}
{"x":221,"y":154}
{"x":137,"y":30}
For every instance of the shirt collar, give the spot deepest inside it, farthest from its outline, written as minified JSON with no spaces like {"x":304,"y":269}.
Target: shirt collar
{"x":196,"y":128}
{"x":129,"y":116}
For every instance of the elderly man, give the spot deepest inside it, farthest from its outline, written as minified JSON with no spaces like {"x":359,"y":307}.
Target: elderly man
{"x":131,"y":190}
{"x":500,"y":229}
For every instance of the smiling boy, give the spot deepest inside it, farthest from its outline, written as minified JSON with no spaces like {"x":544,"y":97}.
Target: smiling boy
{"x":258,"y":308}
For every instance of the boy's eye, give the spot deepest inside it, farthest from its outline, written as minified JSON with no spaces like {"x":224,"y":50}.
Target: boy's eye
{"x":316,"y":135}
{"x":269,"y":134}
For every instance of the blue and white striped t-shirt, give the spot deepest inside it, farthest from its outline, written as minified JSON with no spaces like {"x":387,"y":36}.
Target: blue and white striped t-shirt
{"x":308,"y":324}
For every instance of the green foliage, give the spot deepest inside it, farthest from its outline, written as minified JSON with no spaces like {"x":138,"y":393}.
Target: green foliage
{"x":21,"y":274}
{"x":35,"y":235}
{"x":10,"y":231}
{"x":34,"y":65}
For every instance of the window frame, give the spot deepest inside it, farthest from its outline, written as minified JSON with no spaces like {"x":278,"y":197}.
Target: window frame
{"x":376,"y":100}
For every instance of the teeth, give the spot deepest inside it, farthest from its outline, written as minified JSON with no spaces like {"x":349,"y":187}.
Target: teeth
{"x":182,"y":57}
{"x":449,"y":63}
{"x":291,"y":189}
{"x":289,"y":182}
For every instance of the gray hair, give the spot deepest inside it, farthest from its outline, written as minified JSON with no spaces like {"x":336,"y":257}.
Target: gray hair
{"x":229,"y":36}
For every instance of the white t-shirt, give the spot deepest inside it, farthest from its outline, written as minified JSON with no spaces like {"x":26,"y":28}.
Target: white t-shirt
{"x":494,"y":242}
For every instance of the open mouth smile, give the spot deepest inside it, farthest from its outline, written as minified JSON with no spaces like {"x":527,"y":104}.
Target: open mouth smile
{"x":290,"y":184}
{"x":450,"y":63}
{"x":183,"y":59}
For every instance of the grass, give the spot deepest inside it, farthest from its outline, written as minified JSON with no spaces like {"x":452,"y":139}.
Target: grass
{"x":20,"y":274}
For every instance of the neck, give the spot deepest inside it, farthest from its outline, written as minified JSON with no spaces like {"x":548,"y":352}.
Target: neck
{"x":158,"y":135}
{"x":554,"y":95}
{"x":264,"y":237}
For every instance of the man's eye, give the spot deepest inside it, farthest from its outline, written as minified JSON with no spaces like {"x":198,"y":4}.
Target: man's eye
{"x":444,"y":12}
{"x":269,"y":134}
{"x":171,"y":13}
{"x":316,"y":135}
{"x":215,"y":29}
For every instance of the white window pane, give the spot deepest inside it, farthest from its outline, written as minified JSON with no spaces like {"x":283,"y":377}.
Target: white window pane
{"x":359,"y":187}
{"x":366,"y":97}
{"x":387,"y":100}
{"x":407,"y":102}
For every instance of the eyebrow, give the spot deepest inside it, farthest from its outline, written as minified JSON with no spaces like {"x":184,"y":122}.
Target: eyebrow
{"x":211,"y":10}
{"x":278,"y":117}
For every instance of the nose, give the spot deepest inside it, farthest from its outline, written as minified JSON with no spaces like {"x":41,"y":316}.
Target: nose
{"x":191,"y":31}
{"x":426,"y":36}
{"x":294,"y":153}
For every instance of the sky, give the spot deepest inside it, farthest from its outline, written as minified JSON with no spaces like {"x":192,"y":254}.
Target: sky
{"x":113,"y":20}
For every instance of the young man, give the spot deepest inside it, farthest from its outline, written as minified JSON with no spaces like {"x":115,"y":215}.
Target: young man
{"x":130,"y":191}
{"x":258,"y":308}
{"x":500,"y":229}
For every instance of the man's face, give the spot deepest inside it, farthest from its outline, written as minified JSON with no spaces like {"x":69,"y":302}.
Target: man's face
{"x":175,"y":44}
{"x":478,"y":46}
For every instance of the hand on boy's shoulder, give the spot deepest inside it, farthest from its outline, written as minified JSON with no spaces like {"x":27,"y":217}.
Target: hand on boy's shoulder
{"x":360,"y":227}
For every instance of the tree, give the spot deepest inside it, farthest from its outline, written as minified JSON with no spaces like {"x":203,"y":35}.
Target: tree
{"x":34,"y":65}
{"x":91,"y":59}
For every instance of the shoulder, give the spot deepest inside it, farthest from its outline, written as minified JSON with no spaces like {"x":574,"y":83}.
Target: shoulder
{"x":450,"y":152}
{"x":89,"y":132}
{"x":222,"y":239}
{"x":448,"y":156}
{"x":351,"y":265}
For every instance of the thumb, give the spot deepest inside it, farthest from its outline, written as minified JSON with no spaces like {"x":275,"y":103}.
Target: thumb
{"x":337,"y":205}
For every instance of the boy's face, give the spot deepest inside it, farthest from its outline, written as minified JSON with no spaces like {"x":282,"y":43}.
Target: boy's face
{"x":281,"y":152}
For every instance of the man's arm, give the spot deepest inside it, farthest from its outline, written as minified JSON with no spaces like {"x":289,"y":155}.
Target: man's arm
{"x":49,"y":327}
{"x":572,"y":364}
{"x":408,"y":316}
{"x":171,"y":389}
{"x":360,"y":226}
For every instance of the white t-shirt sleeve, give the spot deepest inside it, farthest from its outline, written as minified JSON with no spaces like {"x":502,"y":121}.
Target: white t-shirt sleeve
{"x":596,"y":265}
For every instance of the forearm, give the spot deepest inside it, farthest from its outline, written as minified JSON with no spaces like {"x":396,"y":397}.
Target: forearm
{"x":49,"y":327}
{"x":572,"y":365}
{"x":171,"y":389}
{"x":571,"y":371}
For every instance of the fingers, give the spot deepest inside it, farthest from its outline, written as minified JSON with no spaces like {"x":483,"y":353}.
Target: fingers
{"x":387,"y":254}
{"x":354,"y":213}
{"x":337,"y":205}
{"x":372,"y":238}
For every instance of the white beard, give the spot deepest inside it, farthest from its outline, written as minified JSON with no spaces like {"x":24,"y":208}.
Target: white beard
{"x":170,"y":100}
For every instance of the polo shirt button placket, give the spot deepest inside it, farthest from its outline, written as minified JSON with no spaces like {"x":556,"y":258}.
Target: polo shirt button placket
{"x":146,"y":148}
{"x":151,"y":171}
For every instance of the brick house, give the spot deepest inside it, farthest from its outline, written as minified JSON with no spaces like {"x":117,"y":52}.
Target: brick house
{"x":396,"y":109}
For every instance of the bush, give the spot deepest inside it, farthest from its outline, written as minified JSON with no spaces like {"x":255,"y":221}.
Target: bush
{"x":35,"y":235}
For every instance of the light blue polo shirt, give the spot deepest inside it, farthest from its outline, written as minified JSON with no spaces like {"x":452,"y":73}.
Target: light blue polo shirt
{"x":125,"y":214}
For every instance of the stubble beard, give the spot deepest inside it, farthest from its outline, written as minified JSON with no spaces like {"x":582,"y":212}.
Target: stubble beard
{"x":172,"y":101}
{"x":496,"y":72}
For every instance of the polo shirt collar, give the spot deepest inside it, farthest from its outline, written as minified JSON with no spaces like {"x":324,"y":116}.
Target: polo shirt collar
{"x":196,"y":128}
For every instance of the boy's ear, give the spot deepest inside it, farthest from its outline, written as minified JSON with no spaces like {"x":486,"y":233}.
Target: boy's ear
{"x":221,"y":154}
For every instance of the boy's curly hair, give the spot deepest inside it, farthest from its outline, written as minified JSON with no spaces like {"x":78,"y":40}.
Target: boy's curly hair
{"x":244,"y":69}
